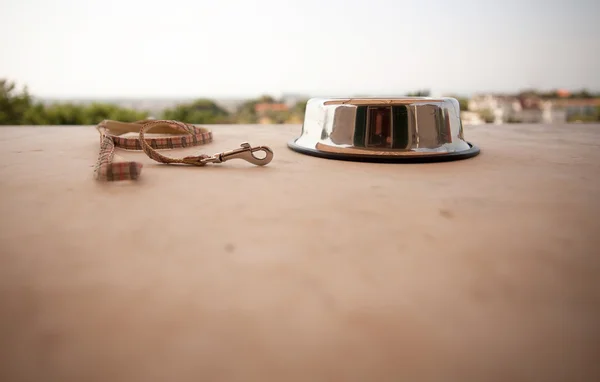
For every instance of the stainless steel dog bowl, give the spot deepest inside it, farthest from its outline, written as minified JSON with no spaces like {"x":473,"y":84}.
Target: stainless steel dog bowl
{"x":411,"y":129}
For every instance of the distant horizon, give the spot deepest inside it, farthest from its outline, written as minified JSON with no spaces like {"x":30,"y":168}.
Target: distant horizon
{"x":276,"y":95}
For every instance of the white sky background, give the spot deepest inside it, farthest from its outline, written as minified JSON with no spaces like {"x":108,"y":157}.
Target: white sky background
{"x":227,"y":48}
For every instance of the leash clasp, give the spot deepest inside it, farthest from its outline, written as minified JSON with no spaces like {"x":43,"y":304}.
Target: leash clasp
{"x":245,"y":152}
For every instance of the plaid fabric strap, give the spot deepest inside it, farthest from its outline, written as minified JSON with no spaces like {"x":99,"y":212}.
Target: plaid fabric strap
{"x":186,"y":135}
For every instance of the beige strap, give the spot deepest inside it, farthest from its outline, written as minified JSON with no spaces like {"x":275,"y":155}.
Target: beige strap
{"x":184,"y":135}
{"x":152,"y":153}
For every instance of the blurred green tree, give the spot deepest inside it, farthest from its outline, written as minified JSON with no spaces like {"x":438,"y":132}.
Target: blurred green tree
{"x":96,"y":112}
{"x":73,"y":114}
{"x":14,"y":104}
{"x":487,"y":115}
{"x":419,"y":93}
{"x":266,"y":99}
{"x":462,"y":101}
{"x":246,"y":112}
{"x":199,"y":111}
{"x":464,"y":104}
{"x":18,"y":108}
{"x":300,"y":108}
{"x":583,"y":93}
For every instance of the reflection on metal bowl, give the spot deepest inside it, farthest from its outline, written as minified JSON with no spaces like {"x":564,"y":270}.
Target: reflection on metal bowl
{"x":411,"y":129}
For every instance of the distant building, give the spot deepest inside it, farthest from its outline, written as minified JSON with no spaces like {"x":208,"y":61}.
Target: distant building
{"x":501,"y":108}
{"x":270,"y":113}
{"x":524,"y":109}
{"x":267,"y":107}
{"x":579,"y":107}
{"x":471,"y":118}
{"x":551,"y":113}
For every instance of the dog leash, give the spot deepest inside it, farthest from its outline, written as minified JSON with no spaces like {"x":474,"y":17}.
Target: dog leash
{"x":182,"y":135}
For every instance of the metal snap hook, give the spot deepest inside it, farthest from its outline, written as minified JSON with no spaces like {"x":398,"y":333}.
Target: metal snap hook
{"x":245,"y":152}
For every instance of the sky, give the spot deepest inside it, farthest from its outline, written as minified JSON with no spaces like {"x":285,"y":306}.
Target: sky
{"x":225,"y":48}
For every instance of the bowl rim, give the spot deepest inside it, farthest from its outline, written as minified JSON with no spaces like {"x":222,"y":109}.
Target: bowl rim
{"x":415,"y":158}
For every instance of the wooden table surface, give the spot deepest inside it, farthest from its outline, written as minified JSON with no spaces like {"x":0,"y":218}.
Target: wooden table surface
{"x":308,"y":269}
